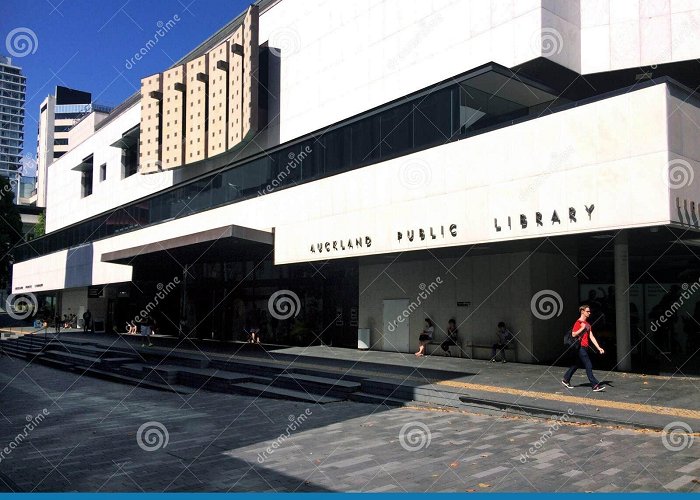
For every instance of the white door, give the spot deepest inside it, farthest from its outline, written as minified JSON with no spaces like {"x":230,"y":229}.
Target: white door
{"x":395,"y":334}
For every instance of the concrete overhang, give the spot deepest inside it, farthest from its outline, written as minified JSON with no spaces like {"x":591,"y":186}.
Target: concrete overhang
{"x":236,"y":235}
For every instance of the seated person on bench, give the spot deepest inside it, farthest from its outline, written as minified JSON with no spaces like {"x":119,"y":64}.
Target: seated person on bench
{"x":452,"y":337}
{"x":425,"y":337}
{"x":504,"y":338}
{"x":252,"y":331}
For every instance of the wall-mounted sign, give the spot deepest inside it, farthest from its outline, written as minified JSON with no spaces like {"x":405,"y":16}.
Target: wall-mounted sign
{"x":341,"y":245}
{"x":95,"y":292}
{"x":430,"y":233}
{"x":539,"y":218}
{"x":463,"y":304}
{"x":353,"y":316}
{"x":339,"y":316}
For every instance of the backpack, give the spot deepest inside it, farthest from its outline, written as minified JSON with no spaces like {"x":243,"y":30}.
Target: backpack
{"x":570,"y":340}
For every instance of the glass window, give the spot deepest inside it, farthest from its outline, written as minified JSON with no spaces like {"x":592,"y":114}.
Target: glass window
{"x":86,"y":182}
{"x":338,"y":149}
{"x":397,"y":130}
{"x":434,"y":119}
{"x":365,"y":140}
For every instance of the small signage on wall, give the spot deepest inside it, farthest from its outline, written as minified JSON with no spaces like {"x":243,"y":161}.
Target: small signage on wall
{"x":95,"y":292}
{"x":463,"y":303}
{"x":339,"y":316}
{"x":353,"y":316}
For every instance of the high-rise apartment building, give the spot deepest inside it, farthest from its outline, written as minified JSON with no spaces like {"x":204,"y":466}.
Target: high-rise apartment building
{"x":12,"y":95}
{"x":58,"y":114}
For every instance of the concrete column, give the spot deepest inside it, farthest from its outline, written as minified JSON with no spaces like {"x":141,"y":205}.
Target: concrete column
{"x":622,"y":302}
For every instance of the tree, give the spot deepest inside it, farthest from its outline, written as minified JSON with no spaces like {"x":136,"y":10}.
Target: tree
{"x":10,"y":229}
{"x":40,"y":226}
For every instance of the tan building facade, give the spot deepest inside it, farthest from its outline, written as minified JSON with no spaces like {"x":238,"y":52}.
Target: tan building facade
{"x":209,"y":105}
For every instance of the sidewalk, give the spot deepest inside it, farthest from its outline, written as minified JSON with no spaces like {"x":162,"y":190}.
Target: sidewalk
{"x":629,"y":399}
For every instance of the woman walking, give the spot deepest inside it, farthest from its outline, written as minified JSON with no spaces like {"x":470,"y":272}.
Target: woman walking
{"x":582,"y":330}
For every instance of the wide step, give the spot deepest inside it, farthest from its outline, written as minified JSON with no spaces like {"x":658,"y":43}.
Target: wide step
{"x":79,"y":359}
{"x":364,"y":397}
{"x":341,"y":385}
{"x":267,"y":391}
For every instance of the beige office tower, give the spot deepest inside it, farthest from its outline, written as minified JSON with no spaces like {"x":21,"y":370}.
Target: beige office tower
{"x":149,"y":141}
{"x":217,"y":137}
{"x":235,"y":85}
{"x":243,"y":76}
{"x":174,"y":134}
{"x":196,"y":122}
{"x":209,"y":104}
{"x":250,"y":72}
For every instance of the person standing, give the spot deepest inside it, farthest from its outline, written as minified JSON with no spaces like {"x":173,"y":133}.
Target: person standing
{"x":504,"y":338}
{"x":145,"y":331}
{"x":425,"y":337}
{"x":582,"y":329}
{"x":87,"y":318}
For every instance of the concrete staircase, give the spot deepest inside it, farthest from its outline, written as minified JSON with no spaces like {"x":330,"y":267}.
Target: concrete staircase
{"x":163,"y":369}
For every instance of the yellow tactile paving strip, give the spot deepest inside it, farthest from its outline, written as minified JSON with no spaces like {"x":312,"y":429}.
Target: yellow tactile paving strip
{"x":617,"y":405}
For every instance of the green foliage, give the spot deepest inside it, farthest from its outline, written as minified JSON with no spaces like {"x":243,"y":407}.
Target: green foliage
{"x":10,"y":229}
{"x":40,"y":226}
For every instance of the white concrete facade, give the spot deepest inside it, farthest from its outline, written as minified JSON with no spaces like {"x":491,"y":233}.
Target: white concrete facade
{"x":613,"y":161}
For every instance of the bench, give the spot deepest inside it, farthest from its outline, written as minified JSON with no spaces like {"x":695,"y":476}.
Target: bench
{"x":435,"y":344}
{"x":510,"y":347}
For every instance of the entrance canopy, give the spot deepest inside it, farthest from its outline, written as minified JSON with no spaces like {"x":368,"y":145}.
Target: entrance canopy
{"x":231,"y":239}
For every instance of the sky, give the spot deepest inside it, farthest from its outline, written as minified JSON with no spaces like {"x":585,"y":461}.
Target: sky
{"x":90,"y":44}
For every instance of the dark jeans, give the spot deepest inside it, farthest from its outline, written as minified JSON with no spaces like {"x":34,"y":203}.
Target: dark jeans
{"x":447,"y":343}
{"x":501,"y":348}
{"x":582,"y":357}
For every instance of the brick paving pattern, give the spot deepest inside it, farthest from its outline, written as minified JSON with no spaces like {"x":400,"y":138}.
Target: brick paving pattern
{"x":221,"y":442}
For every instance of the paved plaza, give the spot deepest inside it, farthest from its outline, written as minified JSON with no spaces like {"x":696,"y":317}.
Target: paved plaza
{"x":64,"y":432}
